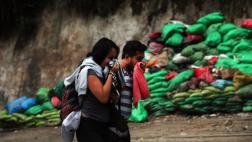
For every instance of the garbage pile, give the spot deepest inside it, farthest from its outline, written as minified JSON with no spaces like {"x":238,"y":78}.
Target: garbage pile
{"x":42,"y":109}
{"x":201,"y":68}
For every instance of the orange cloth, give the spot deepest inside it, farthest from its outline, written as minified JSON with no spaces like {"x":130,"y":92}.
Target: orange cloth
{"x":140,"y":86}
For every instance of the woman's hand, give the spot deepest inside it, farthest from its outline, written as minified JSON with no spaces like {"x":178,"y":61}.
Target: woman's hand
{"x":115,"y":68}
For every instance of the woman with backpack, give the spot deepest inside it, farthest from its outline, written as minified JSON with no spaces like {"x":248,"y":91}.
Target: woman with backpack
{"x":93,"y":89}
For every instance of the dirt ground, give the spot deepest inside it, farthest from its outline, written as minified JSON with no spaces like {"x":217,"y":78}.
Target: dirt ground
{"x":170,"y":128}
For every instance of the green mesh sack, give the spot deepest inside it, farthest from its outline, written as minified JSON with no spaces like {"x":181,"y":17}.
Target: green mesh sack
{"x":168,"y":104}
{"x":238,"y":33}
{"x":212,"y":96}
{"x":197,"y":94}
{"x":42,"y":91}
{"x":162,"y":112}
{"x":225,"y":28}
{"x":152,"y":101}
{"x":169,"y":109}
{"x":157,"y":79}
{"x":222,"y":98}
{"x":193,"y":90}
{"x":244,"y":58}
{"x":200,"y":47}
{"x":202,"y":110}
{"x":148,"y":76}
{"x":230,"y":54}
{"x":215,"y":109}
{"x":227,"y":46}
{"x":247,"y":108}
{"x":138,"y":114}
{"x":186,"y":107}
{"x":196,"y":29}
{"x":213,"y":39}
{"x":171,"y":66}
{"x":193,"y":99}
{"x":181,"y":77}
{"x":188,"y":51}
{"x":229,"y":89}
{"x":244,"y":45}
{"x":212,"y":51}
{"x":175,"y":40}
{"x":224,"y":49}
{"x":47,"y":106}
{"x":181,"y":95}
{"x":165,"y":102}
{"x":181,"y":103}
{"x":157,"y":99}
{"x":245,"y":92}
{"x":244,"y":68}
{"x":58,"y":89}
{"x":226,"y":63}
{"x":213,"y":89}
{"x":41,"y":95}
{"x":228,"y":94}
{"x":231,"y":43}
{"x":147,"y":102}
{"x":156,"y":107}
{"x":201,"y":103}
{"x":160,"y":73}
{"x":191,"y":49}
{"x":159,"y":90}
{"x":158,"y":94}
{"x":233,"y":109}
{"x":169,"y":29}
{"x":218,"y":103}
{"x":158,"y":85}
{"x":233,"y":101}
{"x":213,"y":28}
{"x":212,"y":18}
{"x":201,"y":63}
{"x":34,"y":110}
{"x":206,"y":92}
{"x":177,"y":100}
{"x":248,"y":103}
{"x":197,"y":56}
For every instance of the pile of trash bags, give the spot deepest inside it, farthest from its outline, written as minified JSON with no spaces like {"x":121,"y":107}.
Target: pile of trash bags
{"x":200,"y":68}
{"x":41,"y":109}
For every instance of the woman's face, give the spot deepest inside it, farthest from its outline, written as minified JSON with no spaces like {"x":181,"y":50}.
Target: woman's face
{"x":112,"y":55}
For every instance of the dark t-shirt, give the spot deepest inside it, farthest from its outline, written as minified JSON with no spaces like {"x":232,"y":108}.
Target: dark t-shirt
{"x":91,"y":107}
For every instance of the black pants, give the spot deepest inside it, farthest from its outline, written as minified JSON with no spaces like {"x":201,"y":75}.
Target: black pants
{"x":113,"y":137}
{"x":92,"y":131}
{"x":120,"y":124}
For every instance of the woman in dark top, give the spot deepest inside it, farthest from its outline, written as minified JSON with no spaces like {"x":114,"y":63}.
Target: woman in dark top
{"x":95,"y":102}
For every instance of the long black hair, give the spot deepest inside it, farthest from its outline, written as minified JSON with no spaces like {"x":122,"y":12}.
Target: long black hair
{"x":101,"y":49}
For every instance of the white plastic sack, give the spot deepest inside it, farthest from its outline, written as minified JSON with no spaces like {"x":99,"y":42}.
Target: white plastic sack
{"x":66,"y":135}
{"x":179,"y":59}
{"x":72,"y":121}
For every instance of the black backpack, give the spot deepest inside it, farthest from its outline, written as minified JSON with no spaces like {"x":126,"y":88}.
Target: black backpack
{"x":70,"y":100}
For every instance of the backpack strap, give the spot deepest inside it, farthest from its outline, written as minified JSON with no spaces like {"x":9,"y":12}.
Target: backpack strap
{"x":82,"y":98}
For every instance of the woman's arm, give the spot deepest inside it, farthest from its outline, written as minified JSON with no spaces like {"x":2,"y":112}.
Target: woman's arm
{"x":100,"y":91}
